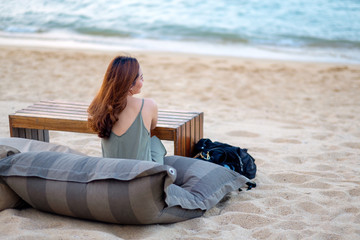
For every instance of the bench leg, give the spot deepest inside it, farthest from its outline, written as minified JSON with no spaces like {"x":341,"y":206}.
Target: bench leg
{"x":36,"y":134}
{"x":179,"y":141}
{"x":187,"y":135}
{"x":182,"y":141}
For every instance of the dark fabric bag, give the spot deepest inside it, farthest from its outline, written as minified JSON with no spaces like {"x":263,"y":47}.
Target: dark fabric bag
{"x":234,"y":158}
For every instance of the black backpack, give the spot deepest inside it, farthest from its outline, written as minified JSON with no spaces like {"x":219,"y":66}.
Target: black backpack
{"x":234,"y":158}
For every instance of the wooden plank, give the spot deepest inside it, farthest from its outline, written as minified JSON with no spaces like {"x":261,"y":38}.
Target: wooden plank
{"x":164,"y":133}
{"x":27,"y":115}
{"x":41,"y":135}
{"x":44,"y":110}
{"x":28,"y":133}
{"x":183,"y":140}
{"x":64,"y":106}
{"x":54,"y":108}
{"x":178,"y":111}
{"x":51,"y":114}
{"x":85,"y":106}
{"x":188,"y":139}
{"x":22,"y":132}
{"x":63,"y":103}
{"x":198,"y":126}
{"x":82,"y":117}
{"x":34,"y":134}
{"x":74,"y":112}
{"x":193,"y":136}
{"x":31,"y":121}
{"x":61,"y":110}
{"x":46,"y":135}
{"x":201,"y":126}
{"x":177,"y":141}
{"x":51,"y":124}
{"x":14,"y":132}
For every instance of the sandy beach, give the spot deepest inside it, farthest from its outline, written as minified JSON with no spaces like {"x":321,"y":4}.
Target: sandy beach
{"x":299,"y":120}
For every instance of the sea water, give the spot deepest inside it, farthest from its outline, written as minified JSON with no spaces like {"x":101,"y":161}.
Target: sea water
{"x":326,"y":30}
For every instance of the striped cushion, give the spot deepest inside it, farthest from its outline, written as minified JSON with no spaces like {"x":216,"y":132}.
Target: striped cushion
{"x":117,"y":190}
{"x":104,"y":189}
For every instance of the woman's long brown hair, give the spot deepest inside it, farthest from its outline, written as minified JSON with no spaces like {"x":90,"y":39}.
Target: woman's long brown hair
{"x":120,"y":76}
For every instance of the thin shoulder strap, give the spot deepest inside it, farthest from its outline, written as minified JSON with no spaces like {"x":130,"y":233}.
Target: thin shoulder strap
{"x":142,"y":104}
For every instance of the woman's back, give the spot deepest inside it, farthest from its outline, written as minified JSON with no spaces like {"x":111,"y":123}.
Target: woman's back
{"x":133,"y":107}
{"x":130,"y":140}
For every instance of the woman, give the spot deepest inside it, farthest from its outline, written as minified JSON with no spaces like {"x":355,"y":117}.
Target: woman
{"x":122,"y":121}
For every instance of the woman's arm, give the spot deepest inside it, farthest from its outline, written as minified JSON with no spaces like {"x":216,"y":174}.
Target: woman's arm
{"x":154,"y":114}
{"x":151,"y":114}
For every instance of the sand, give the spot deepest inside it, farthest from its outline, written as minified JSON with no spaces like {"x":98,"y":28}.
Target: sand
{"x":300,"y":120}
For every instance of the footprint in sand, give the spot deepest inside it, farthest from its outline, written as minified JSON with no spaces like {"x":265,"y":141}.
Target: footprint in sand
{"x":354,"y":192}
{"x":217,"y":61}
{"x":246,"y":207}
{"x":274,"y":201}
{"x":263,"y":234}
{"x":292,"y":225}
{"x":292,"y":127}
{"x":324,"y":167}
{"x":337,"y":69}
{"x":311,"y":207}
{"x":283,"y":210}
{"x":242,"y":134}
{"x":355,"y":145}
{"x":290,"y":196}
{"x":334,"y":194}
{"x":322,"y":136}
{"x":245,"y":220}
{"x":238,"y":68}
{"x":285,"y":140}
{"x":316,"y":185}
{"x":291,"y":178}
{"x":297,"y":160}
{"x":335,"y":155}
{"x":261,"y":150}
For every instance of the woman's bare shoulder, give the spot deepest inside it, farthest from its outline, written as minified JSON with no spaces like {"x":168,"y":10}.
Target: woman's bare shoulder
{"x":150,"y":102}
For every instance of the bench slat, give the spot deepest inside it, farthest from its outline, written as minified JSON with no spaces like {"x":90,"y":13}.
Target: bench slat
{"x":64,"y":112}
{"x":161,"y":121}
{"x":84,"y":106}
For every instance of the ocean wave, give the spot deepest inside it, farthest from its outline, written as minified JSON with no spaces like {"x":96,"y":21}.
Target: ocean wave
{"x":273,"y":23}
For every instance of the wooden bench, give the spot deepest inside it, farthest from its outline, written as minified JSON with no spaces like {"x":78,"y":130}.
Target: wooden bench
{"x":35,"y":121}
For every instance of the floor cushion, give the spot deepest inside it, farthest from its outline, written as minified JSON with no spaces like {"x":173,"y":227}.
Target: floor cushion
{"x":117,"y":190}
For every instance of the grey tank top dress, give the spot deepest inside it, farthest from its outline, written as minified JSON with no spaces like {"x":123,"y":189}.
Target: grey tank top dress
{"x":135,"y":143}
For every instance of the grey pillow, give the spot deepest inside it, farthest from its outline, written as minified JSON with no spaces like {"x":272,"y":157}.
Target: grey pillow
{"x":200,"y":184}
{"x":118,"y":190}
{"x":103,"y":189}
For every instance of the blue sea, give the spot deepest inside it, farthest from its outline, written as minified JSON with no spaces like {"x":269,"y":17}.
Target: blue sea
{"x":320,"y":30}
